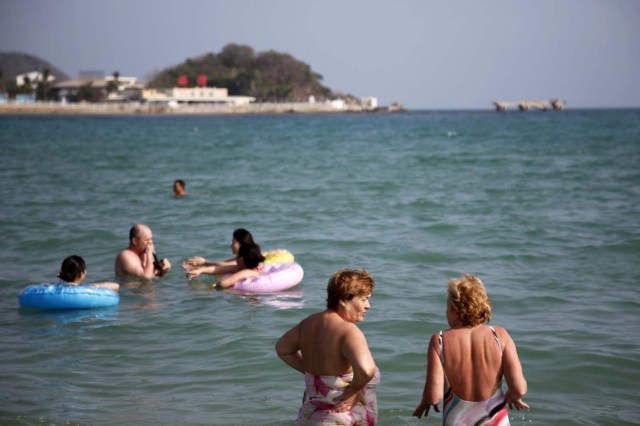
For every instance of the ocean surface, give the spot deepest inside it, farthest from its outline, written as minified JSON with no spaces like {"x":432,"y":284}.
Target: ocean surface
{"x":543,"y":207}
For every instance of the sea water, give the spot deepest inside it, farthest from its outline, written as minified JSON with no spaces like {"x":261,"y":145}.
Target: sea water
{"x":543,"y":207}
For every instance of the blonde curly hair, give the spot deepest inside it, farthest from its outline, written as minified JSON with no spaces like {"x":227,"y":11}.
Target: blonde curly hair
{"x":469,"y":299}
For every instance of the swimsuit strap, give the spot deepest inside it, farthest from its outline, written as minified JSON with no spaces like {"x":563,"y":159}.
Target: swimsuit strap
{"x":495,"y":336}
{"x":493,"y":331}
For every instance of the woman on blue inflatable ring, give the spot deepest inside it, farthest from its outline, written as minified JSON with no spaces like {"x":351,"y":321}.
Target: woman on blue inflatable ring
{"x":74,"y":270}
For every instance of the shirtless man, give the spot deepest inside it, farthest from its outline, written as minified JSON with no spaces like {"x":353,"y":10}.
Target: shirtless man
{"x":138,"y":259}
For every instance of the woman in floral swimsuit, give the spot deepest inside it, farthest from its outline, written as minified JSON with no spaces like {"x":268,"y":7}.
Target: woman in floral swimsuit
{"x":332,"y":353}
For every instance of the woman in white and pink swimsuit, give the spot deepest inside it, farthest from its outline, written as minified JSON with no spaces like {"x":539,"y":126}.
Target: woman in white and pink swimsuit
{"x":466,"y":363}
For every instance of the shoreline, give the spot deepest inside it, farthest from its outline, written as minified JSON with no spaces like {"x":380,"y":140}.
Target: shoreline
{"x":56,"y":108}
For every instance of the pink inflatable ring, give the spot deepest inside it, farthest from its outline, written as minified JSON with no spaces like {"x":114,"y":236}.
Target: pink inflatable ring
{"x":274,"y":277}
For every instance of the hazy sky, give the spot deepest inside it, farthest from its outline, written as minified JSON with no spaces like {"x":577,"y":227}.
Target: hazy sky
{"x":433,"y":54}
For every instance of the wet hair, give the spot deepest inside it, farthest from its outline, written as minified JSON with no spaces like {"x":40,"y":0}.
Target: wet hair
{"x":251,"y":255}
{"x":469,"y":300}
{"x":243,"y":236}
{"x":346,"y":284}
{"x":71,"y":268}
{"x":180,"y":182}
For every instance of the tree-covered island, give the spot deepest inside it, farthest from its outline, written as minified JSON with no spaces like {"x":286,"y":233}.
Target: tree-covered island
{"x":268,"y":76}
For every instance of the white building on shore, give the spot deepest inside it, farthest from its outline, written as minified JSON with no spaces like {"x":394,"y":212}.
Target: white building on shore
{"x":369,"y":103}
{"x":33,"y":77}
{"x":112,"y":89}
{"x":195,"y":96}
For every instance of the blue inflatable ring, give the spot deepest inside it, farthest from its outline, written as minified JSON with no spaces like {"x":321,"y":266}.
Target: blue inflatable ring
{"x":63,"y":296}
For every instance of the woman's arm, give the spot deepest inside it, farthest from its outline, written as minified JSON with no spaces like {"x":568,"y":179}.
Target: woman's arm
{"x":106,"y":284}
{"x":199,"y":261}
{"x":434,"y":382}
{"x":236,"y":277}
{"x":512,"y":370}
{"x":288,"y":349}
{"x":355,"y":349}
{"x":193,"y":272}
{"x":196,"y":272}
{"x":195,"y":262}
{"x":228,"y":262}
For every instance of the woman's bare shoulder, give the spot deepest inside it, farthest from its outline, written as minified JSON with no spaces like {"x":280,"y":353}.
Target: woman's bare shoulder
{"x":501,"y":332}
{"x":351,"y":334}
{"x":331,"y":322}
{"x":313,"y":321}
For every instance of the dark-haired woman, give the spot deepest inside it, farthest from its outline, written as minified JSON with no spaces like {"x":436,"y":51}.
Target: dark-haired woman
{"x":240,"y":236}
{"x":74,"y":270}
{"x":249,"y":265}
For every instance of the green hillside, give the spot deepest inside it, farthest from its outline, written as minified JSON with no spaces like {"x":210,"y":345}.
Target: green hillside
{"x":15,"y":63}
{"x":268,"y":76}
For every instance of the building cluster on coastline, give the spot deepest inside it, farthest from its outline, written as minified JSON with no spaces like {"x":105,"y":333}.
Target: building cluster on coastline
{"x":124,"y":90}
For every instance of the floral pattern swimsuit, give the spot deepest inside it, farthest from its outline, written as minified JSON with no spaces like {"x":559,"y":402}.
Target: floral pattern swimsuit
{"x":319,"y":397}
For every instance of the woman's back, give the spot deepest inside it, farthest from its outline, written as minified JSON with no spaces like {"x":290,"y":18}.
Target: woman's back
{"x":321,"y":337}
{"x":472,"y":361}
